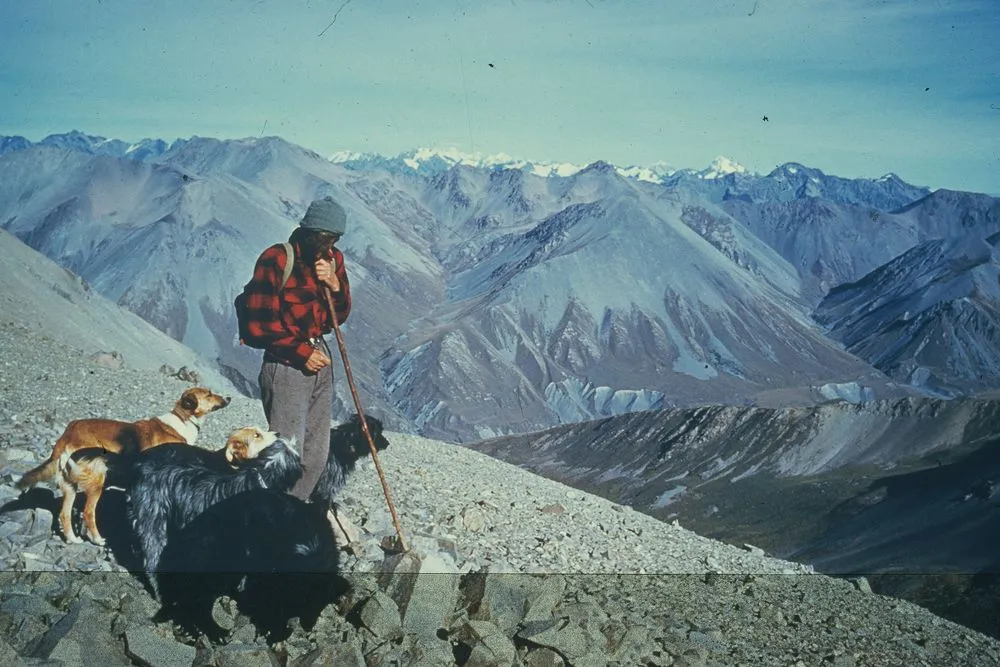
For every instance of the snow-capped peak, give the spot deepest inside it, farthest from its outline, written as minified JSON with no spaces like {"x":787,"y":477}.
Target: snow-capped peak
{"x":721,"y":166}
{"x":654,"y":173}
{"x":435,"y":160}
{"x":348,"y":156}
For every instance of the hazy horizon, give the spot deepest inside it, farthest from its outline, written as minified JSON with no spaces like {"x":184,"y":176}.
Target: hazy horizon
{"x":856,"y":88}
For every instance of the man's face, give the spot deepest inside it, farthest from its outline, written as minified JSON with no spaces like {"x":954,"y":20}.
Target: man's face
{"x":321,"y":242}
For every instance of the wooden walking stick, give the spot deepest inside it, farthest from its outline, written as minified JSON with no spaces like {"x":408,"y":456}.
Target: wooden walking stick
{"x":361,"y":416}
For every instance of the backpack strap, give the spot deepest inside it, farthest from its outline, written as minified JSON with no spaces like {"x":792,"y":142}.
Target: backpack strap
{"x":289,"y":262}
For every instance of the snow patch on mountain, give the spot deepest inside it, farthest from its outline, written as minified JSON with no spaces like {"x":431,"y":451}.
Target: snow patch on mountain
{"x":852,"y":392}
{"x":576,"y":400}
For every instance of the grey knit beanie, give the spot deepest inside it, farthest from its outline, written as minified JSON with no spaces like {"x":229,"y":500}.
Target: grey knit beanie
{"x":327,"y":215}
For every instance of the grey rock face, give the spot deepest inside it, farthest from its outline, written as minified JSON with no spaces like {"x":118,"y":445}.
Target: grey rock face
{"x":689,"y":448}
{"x":930,"y":317}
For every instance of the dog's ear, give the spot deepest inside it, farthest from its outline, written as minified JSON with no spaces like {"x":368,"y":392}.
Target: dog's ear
{"x":189,"y":400}
{"x":236,"y":449}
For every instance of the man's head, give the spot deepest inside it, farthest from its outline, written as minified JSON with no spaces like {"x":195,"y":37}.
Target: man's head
{"x":322,"y":226}
{"x":325,"y":215}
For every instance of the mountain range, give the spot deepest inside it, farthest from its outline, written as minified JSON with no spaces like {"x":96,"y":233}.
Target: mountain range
{"x":795,"y":360}
{"x":496,"y":296}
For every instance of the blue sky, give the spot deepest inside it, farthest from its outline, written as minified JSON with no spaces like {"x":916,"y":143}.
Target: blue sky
{"x":856,"y":88}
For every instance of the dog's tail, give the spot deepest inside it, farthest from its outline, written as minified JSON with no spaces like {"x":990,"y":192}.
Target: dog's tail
{"x":91,"y":460}
{"x":96,"y":460}
{"x":118,"y":471}
{"x":38,"y":474}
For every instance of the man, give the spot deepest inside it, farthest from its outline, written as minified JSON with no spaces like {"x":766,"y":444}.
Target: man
{"x":296,"y":376}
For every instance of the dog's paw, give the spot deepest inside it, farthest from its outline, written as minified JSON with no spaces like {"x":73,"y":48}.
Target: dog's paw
{"x":73,"y":539}
{"x":98,"y":540}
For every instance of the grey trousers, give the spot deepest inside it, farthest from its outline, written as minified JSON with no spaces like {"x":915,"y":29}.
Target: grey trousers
{"x":299,"y":405}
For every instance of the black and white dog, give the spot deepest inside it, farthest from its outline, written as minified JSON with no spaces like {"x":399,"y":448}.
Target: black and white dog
{"x":348,"y":445}
{"x":172,"y":484}
{"x":274,"y":554}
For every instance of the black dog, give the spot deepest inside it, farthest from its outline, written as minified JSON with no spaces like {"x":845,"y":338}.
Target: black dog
{"x":348,"y":445}
{"x":173,"y":484}
{"x":280,"y":548}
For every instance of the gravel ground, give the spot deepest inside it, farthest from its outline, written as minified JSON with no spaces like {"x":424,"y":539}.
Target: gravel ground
{"x":463,"y":511}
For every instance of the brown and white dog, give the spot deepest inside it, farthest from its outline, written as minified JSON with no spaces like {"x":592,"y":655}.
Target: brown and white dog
{"x":180,"y":425}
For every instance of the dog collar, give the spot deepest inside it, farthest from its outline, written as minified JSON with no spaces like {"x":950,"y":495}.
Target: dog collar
{"x":184,"y":419}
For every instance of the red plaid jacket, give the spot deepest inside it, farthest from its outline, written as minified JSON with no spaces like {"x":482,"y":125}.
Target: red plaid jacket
{"x":283,"y":321}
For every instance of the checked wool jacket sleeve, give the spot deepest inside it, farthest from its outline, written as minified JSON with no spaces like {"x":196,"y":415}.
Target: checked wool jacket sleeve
{"x":282,"y":321}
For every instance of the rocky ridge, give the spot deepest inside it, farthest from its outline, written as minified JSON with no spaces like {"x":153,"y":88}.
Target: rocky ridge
{"x":504,"y":568}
